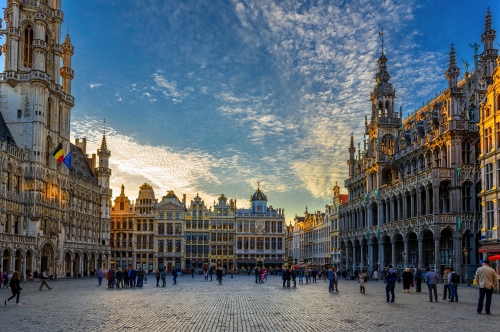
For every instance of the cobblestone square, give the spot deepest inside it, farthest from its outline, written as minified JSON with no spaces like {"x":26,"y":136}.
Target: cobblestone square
{"x":239,"y":304}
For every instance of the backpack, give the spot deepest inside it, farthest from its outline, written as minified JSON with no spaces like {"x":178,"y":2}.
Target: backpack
{"x":392,"y":277}
{"x":455,"y":278}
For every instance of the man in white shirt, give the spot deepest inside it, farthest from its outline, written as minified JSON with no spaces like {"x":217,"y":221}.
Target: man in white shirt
{"x":44,"y":280}
{"x":486,"y":279}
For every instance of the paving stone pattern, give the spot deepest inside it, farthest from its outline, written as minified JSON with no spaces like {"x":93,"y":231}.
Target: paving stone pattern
{"x":239,"y":304}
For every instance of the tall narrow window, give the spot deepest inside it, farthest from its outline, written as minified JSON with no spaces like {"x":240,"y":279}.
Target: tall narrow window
{"x":28,"y":47}
{"x":466,"y":153}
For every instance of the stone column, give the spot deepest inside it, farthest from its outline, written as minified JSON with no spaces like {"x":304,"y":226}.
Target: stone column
{"x":370,"y":264}
{"x":406,"y":255}
{"x":419,"y":201}
{"x":457,"y":254}
{"x":347,"y":258}
{"x":354,"y":263}
{"x":391,"y":209}
{"x":393,"y":249}
{"x":12,"y":261}
{"x":427,"y":202}
{"x":23,"y":267}
{"x":71,"y":272}
{"x":420,"y":254}
{"x":381,"y":262}
{"x":412,"y":205}
{"x":362,"y":256}
{"x":437,"y":257}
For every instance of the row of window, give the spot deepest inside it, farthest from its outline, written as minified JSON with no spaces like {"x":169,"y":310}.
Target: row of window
{"x":259,"y":243}
{"x":248,"y":226}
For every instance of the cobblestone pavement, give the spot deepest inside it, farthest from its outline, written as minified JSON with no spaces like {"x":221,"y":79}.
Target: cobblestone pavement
{"x":238,"y":304}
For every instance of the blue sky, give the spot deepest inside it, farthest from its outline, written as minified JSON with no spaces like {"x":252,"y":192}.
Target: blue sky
{"x":212,"y":96}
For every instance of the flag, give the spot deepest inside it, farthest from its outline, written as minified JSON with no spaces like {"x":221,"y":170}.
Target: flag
{"x":67,"y":159}
{"x":58,"y":153}
{"x":381,"y":33}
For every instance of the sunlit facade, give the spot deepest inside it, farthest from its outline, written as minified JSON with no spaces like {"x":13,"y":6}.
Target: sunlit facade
{"x":222,"y":233}
{"x":413,"y":187}
{"x":197,"y":233}
{"x":169,"y":212}
{"x":50,"y":216}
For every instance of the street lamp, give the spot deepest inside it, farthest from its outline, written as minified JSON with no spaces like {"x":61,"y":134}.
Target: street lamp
{"x":466,"y":254}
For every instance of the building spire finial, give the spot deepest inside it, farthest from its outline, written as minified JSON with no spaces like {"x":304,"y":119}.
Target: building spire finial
{"x":381,"y":34}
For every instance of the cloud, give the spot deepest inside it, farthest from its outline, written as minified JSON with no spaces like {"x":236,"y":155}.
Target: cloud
{"x":134,"y":163}
{"x":95,"y":85}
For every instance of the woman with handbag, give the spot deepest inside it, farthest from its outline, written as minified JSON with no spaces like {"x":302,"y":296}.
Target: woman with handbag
{"x":15,"y":287}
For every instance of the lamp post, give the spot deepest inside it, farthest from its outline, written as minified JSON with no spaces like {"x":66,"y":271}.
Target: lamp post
{"x":466,"y":254}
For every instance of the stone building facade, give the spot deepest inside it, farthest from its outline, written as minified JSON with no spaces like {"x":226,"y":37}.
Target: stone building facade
{"x":413,"y":187}
{"x":489,"y":130}
{"x":197,"y":233}
{"x":222,"y":233}
{"x":122,"y":229}
{"x":170,"y":213}
{"x":260,"y":234}
{"x":51,"y":216}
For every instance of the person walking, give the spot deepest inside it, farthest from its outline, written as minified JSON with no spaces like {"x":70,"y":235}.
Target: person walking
{"x":431,"y":279}
{"x":210,"y":272}
{"x":447,"y":291}
{"x":294,"y":277}
{"x":301,"y":276}
{"x":331,"y":279}
{"x":453,"y":282}
{"x":174,"y":275}
{"x":313,"y":272}
{"x":192,"y":273}
{"x":140,"y":277}
{"x":486,"y":279}
{"x":288,"y":277}
{"x":119,"y":278}
{"x":219,"y":274}
{"x":205,"y":272}
{"x":99,"y":275}
{"x":112,"y":272}
{"x":163,"y":277}
{"x":375,"y":276}
{"x":157,"y":278}
{"x":362,"y":280}
{"x":132,"y":275}
{"x":231,"y":271}
{"x":108,"y":278}
{"x":257,"y":275}
{"x":335,"y":280}
{"x":391,"y":278}
{"x":418,"y":280}
{"x":44,"y":280}
{"x":15,"y":288}
{"x":407,"y":280}
{"x":126,"y":279}
{"x":306,"y":274}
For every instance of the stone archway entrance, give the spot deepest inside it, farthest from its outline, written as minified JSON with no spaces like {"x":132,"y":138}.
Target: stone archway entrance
{"x":67,"y":264}
{"x":85,"y":264}
{"x":76,"y":265}
{"x":6,"y":260}
{"x":18,"y":265}
{"x":47,"y":258}
{"x":29,"y":261}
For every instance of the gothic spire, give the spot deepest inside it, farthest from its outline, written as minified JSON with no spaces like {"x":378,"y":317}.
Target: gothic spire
{"x":453,"y":71}
{"x":122,"y":193}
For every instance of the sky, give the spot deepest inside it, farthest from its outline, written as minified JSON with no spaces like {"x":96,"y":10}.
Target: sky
{"x":214,"y":96}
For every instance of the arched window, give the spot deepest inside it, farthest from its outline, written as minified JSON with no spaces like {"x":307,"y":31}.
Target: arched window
{"x":28,"y":47}
{"x":466,"y":153}
{"x":466,"y":197}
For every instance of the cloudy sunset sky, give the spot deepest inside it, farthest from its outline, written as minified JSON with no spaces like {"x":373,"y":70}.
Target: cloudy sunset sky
{"x":212,"y":96}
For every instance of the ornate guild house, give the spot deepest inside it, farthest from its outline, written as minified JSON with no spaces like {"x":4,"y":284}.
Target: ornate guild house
{"x":413,"y":187}
{"x":54,"y":198}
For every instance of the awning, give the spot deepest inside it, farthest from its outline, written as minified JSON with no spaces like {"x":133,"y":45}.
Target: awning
{"x":494,"y":258}
{"x":490,"y":248}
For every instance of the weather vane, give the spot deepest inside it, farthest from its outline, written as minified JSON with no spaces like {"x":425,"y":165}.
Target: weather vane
{"x":381,"y":34}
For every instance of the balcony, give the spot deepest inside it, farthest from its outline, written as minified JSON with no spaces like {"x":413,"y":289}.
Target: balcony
{"x":17,"y":239}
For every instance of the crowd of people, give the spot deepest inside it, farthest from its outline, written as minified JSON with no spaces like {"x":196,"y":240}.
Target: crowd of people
{"x":485,"y":278}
